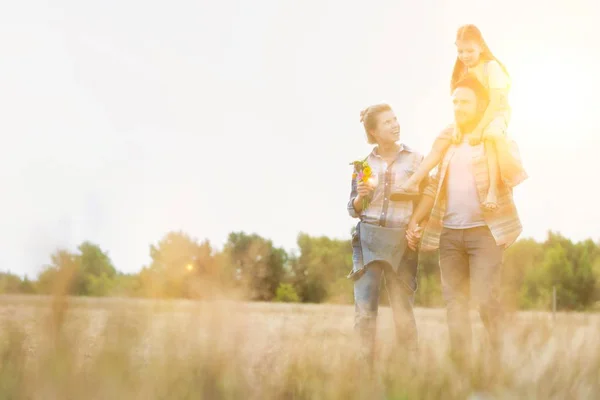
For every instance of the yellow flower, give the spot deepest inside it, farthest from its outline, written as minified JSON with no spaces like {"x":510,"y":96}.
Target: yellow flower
{"x":367,"y":171}
{"x":354,"y":175}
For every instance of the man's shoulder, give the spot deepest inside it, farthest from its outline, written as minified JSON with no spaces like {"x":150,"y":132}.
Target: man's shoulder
{"x":447,"y":132}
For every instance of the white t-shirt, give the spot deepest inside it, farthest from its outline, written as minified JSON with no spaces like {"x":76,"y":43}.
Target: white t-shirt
{"x":463,"y":210}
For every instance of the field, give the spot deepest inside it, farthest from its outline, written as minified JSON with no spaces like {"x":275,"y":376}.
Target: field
{"x":80,"y":348}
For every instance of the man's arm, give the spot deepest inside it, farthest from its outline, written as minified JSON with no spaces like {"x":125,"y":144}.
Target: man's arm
{"x":423,"y":209}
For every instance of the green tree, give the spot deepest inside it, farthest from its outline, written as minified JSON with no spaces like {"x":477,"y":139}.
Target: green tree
{"x":255,"y":265}
{"x":564,"y":265}
{"x":286,"y":293}
{"x":180,"y":267}
{"x":27,"y":286}
{"x":321,"y":269}
{"x":89,"y":272}
{"x":596,"y":272}
{"x":62,"y":275}
{"x":521,"y":262}
{"x":127,"y":285}
{"x":97,"y":271}
{"x":10,"y":283}
{"x":585,"y":283}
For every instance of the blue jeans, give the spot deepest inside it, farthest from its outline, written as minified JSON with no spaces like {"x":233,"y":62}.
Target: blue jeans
{"x":470,"y":264}
{"x":401,"y":287}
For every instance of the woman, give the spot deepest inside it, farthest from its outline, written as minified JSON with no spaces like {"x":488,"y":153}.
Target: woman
{"x":378,"y":243}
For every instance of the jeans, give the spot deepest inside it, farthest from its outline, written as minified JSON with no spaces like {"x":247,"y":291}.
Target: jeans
{"x":470,"y":264}
{"x":401,"y":287}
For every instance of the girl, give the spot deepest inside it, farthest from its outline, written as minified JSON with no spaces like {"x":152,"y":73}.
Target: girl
{"x":474,"y":57}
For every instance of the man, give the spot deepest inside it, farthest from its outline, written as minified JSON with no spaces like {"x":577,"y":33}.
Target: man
{"x":379,"y":241}
{"x":471,"y":239}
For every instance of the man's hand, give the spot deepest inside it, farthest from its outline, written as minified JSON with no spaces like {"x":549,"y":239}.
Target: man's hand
{"x":413,"y":235}
{"x":475,"y":137}
{"x":493,"y":134}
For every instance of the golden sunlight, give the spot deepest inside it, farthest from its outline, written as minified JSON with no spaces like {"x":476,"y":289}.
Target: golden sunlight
{"x":541,"y":100}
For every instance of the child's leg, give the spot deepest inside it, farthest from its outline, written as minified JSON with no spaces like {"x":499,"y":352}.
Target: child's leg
{"x":495,"y":130}
{"x":432,"y":159}
{"x":510,"y":167}
{"x":491,"y":200}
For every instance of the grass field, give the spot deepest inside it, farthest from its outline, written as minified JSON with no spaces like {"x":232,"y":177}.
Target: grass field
{"x":141,"y":349}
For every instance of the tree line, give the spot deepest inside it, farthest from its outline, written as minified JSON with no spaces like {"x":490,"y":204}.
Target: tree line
{"x":250,"y":267}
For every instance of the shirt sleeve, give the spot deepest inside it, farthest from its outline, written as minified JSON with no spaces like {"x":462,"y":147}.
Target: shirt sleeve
{"x":496,"y":77}
{"x":353,"y":194}
{"x":432,"y":185}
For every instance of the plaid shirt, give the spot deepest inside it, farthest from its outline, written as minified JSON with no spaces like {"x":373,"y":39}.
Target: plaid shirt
{"x":381,"y":211}
{"x":504,"y":223}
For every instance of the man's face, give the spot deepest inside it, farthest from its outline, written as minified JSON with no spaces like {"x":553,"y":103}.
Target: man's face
{"x":465,"y":105}
{"x":388,"y":129}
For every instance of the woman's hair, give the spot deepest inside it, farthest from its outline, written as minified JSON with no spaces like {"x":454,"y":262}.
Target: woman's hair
{"x":368,"y":117}
{"x":472,"y":33}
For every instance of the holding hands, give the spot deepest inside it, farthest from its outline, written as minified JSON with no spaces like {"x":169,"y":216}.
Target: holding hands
{"x":413,"y":235}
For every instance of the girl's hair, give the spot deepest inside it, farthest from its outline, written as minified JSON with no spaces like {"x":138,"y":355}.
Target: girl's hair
{"x":368,"y":117}
{"x":471,"y":32}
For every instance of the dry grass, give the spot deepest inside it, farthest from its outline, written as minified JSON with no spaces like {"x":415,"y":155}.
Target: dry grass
{"x":140,"y":349}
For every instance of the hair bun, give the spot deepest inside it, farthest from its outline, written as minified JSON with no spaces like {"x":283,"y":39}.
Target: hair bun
{"x":363,"y":113}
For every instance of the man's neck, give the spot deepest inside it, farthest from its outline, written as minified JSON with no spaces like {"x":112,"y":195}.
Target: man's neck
{"x":468,"y":128}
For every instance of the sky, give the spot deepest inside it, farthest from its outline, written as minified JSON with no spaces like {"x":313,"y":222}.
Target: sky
{"x":124,"y":120}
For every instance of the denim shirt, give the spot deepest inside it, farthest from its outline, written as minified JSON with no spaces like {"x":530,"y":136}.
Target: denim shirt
{"x":383,"y":213}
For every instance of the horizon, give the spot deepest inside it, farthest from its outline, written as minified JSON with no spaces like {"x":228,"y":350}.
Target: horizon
{"x":290,"y":251}
{"x":127,"y":120}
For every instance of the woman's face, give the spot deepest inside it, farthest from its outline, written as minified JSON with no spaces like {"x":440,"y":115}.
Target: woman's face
{"x":469,"y":52}
{"x":388,"y":128}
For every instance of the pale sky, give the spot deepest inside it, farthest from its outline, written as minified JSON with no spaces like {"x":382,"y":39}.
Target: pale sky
{"x":123,"y":120}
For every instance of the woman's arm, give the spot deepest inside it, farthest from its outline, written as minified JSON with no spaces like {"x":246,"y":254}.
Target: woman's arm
{"x":414,"y":231}
{"x":358,"y":193}
{"x":440,"y":145}
{"x":354,"y":206}
{"x":423,"y":209}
